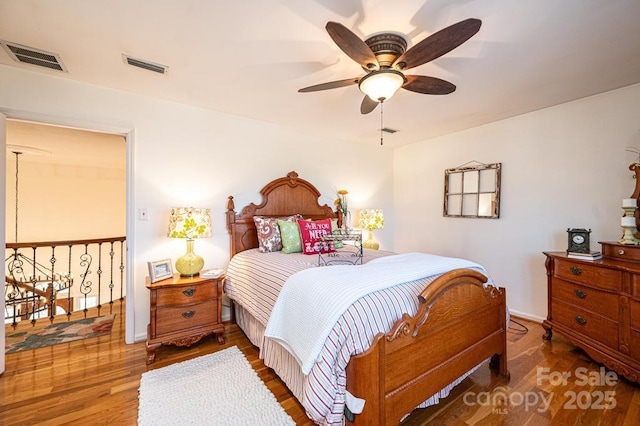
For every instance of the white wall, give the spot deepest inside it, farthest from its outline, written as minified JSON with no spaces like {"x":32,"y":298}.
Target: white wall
{"x":562,"y":167}
{"x":186,"y":156}
{"x":64,"y":202}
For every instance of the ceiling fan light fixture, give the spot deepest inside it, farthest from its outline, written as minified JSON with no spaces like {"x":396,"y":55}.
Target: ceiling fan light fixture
{"x":381,"y":85}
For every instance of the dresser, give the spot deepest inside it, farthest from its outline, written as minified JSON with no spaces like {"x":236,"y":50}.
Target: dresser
{"x":596,"y":305}
{"x":183,"y":311}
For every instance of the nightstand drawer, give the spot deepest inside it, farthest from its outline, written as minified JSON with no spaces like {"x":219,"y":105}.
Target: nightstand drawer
{"x":584,"y":273}
{"x":182,"y":318}
{"x":586,"y":298}
{"x":186,"y":294}
{"x":585,"y":322}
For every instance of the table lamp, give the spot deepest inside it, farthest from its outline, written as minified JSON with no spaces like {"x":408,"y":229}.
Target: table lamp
{"x":189,"y":223}
{"x":371,"y":219}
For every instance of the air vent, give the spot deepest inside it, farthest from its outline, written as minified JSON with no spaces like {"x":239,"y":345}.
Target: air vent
{"x":150,"y":66}
{"x":33,"y":56}
{"x":388,"y":130}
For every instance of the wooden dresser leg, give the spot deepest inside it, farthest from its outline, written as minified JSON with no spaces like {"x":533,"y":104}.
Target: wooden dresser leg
{"x":220,"y":337}
{"x":547,"y":331}
{"x":151,"y":352}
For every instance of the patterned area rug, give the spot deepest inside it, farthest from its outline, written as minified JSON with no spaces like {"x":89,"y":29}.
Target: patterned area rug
{"x":220,"y":388}
{"x":26,"y":338}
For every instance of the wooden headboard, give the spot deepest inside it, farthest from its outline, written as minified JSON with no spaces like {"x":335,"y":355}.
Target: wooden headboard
{"x":281,"y":197}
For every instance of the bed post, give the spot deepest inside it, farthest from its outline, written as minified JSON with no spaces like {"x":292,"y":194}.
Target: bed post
{"x":231,"y":222}
{"x":369,"y":367}
{"x":231,"y":227}
{"x":498,"y":361}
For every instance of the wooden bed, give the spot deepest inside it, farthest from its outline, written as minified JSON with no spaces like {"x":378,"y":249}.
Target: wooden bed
{"x":460,"y":322}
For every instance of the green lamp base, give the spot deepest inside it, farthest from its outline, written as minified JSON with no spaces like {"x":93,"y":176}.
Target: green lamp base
{"x":370,"y":243}
{"x":190,"y":264}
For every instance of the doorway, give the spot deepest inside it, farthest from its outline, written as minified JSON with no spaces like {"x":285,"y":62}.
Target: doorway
{"x":79,"y":155}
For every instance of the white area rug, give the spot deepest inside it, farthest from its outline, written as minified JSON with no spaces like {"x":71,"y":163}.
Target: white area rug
{"x":216,"y":389}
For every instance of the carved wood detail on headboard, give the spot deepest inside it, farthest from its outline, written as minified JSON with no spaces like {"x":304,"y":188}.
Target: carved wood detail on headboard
{"x":281,"y":197}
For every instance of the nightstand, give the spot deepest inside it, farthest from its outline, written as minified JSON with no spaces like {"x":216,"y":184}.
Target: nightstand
{"x":183,"y":311}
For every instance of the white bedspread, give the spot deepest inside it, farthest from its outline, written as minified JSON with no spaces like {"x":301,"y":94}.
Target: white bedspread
{"x":302,"y":327}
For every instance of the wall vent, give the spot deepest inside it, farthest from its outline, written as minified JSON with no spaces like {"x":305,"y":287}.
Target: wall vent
{"x":33,"y":56}
{"x":388,"y":130}
{"x":150,"y":66}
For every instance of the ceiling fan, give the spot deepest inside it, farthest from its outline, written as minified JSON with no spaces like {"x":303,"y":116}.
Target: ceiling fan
{"x":385,"y":58}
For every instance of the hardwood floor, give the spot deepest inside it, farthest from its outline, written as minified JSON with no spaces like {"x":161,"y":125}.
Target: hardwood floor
{"x":96,"y":380}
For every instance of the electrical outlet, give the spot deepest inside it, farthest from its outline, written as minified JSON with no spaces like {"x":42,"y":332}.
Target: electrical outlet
{"x":143,"y":214}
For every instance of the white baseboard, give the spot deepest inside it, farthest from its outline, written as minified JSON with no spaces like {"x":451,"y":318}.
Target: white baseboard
{"x":526,"y":316}
{"x":139,"y":338}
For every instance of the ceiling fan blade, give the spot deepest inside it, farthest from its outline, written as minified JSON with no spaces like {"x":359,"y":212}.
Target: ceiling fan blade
{"x":438,"y":44}
{"x":352,"y":45}
{"x":368,"y":105}
{"x":428,"y":85}
{"x":330,"y":85}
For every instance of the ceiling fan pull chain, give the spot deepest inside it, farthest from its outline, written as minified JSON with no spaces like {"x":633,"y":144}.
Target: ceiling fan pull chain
{"x":381,"y":126}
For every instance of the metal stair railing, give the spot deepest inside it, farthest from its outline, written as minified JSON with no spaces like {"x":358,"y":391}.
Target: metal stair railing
{"x":92,"y":275}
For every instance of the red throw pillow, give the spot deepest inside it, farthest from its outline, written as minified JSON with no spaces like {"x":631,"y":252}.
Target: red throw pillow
{"x":311,"y":232}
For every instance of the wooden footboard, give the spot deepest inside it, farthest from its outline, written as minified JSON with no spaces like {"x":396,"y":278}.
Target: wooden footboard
{"x":459,"y":324}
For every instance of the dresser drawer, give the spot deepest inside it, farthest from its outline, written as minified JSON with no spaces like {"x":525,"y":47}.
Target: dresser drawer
{"x":621,"y":252}
{"x":182,"y":318}
{"x":186,"y":294}
{"x":634,"y":309}
{"x":587,"y":298}
{"x":634,"y":345}
{"x":584,"y":273}
{"x":585,"y":322}
{"x":635,"y":286}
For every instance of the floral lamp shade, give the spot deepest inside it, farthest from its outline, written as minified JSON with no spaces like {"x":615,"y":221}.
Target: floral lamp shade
{"x":371,"y":219}
{"x":189,"y":223}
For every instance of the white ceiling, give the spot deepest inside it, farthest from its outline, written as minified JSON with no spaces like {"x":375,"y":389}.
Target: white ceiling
{"x":249,"y":58}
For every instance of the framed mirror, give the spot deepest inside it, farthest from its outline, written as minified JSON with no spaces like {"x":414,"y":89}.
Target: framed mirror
{"x":472,"y":191}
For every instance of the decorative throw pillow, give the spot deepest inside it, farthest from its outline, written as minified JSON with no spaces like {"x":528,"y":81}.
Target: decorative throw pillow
{"x":311,"y":232}
{"x":269,"y":238}
{"x":290,"y":233}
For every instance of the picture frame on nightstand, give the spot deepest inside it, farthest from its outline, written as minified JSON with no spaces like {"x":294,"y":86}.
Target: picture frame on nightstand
{"x":160,"y":270}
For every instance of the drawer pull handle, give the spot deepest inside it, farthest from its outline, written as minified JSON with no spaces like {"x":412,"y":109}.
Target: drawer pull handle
{"x":580,"y":320}
{"x":620,"y":252}
{"x":581,"y":294}
{"x":576,"y":271}
{"x":189,"y":292}
{"x":188,"y":314}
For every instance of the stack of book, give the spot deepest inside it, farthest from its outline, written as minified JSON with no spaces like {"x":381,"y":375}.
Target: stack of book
{"x":212,"y":273}
{"x":592,"y":255}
